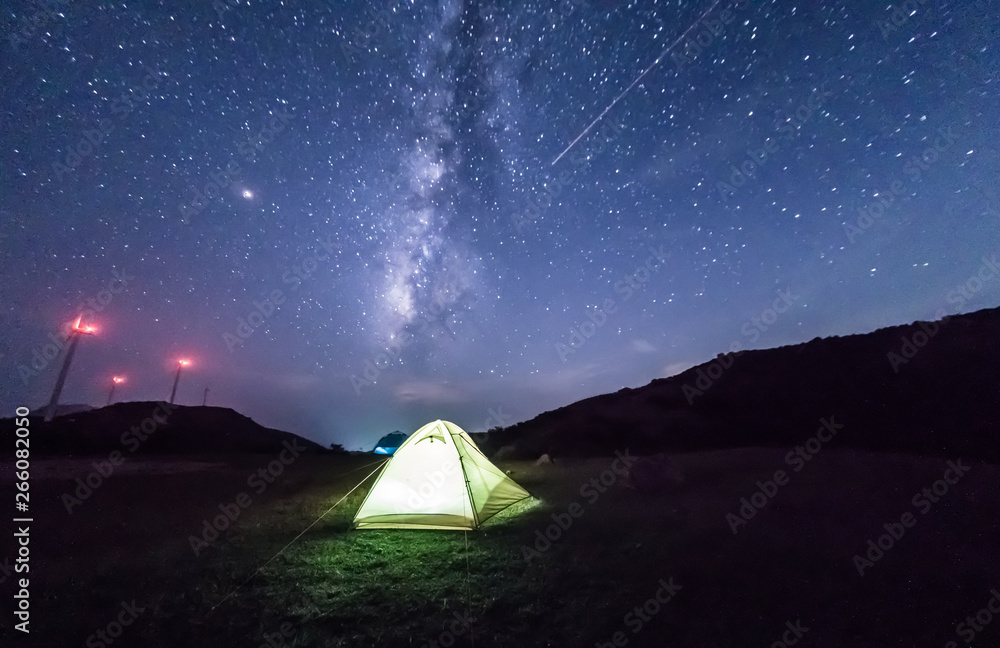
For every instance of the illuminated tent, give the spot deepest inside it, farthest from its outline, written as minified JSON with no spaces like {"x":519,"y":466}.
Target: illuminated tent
{"x":388,"y":444}
{"x":438,"y":479}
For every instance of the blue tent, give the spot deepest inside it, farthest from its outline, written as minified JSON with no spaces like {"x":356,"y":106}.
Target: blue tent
{"x":387,"y":445}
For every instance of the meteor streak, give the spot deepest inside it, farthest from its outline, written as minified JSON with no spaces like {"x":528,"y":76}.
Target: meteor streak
{"x":637,"y":79}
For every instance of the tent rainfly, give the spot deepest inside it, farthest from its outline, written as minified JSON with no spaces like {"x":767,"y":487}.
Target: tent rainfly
{"x":437,"y":479}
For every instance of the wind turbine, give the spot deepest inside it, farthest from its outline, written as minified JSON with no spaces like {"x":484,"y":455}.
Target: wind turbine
{"x":75,"y":334}
{"x":114,"y":383}
{"x":180,"y":365}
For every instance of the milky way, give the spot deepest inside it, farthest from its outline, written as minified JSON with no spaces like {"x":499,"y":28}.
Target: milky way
{"x":348,"y":217}
{"x":430,"y":271}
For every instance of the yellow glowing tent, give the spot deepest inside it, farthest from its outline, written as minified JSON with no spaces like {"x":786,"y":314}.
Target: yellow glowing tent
{"x":438,"y":479}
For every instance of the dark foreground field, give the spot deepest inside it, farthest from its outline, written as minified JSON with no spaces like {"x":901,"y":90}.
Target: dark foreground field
{"x":125,"y":553}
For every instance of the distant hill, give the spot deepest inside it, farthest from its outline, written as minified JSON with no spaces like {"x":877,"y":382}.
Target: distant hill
{"x":923,"y":388}
{"x":154,"y":428}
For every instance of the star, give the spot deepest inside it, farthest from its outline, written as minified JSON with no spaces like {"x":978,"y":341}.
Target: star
{"x":412,"y":227}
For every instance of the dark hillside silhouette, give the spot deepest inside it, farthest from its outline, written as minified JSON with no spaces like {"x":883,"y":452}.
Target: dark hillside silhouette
{"x":155,"y":428}
{"x":939,"y":394}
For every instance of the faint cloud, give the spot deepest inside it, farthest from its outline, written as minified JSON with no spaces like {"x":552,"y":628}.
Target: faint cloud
{"x":430,"y":392}
{"x":642,"y":346}
{"x":275,"y":380}
{"x":566,"y":376}
{"x":675,"y":368}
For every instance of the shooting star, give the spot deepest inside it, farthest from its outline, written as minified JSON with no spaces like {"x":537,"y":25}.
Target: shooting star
{"x":637,"y":79}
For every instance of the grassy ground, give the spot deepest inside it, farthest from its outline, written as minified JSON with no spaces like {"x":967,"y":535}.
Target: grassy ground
{"x":338,"y":587}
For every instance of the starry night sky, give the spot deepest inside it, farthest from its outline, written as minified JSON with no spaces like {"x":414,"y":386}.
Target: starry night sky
{"x":352,"y":179}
